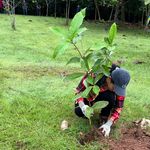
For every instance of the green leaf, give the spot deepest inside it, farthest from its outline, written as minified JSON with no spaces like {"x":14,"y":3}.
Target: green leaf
{"x":86,"y":92}
{"x":77,"y":21}
{"x":147,"y":2}
{"x":89,"y":112}
{"x":95,"y":68}
{"x":111,"y":48}
{"x":73,"y":76}
{"x":76,"y":39}
{"x":83,"y":65}
{"x":76,"y":36}
{"x":60,"y":49}
{"x":96,"y":89}
{"x":81,"y":30}
{"x":98,"y":56}
{"x":98,"y":77}
{"x":73,"y":60}
{"x":88,"y":50}
{"x":99,"y":105}
{"x":106,"y":39}
{"x":90,"y":80}
{"x":112,"y":32}
{"x":98,"y":46}
{"x":83,"y":11}
{"x":106,"y":70}
{"x":57,"y":31}
{"x":86,"y":63}
{"x":89,"y":56}
{"x":76,"y":97}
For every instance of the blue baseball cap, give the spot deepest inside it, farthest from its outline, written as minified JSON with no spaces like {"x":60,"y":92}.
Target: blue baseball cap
{"x":121,"y":78}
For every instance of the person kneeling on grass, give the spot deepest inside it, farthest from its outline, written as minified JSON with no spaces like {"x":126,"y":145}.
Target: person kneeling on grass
{"x":112,"y":89}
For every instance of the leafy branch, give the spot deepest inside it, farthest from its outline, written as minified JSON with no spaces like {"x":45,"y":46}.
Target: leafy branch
{"x":95,"y":61}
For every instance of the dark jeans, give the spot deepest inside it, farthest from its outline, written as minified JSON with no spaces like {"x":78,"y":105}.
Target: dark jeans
{"x":105,"y":96}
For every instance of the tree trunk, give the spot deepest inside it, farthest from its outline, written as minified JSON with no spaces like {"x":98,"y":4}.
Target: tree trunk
{"x":13,"y":7}
{"x":47,"y":7}
{"x":142,"y":19}
{"x":122,"y":12}
{"x":95,"y":15}
{"x":111,"y":13}
{"x":129,"y":16}
{"x":117,"y":12}
{"x":13,"y":23}
{"x":148,"y":10}
{"x":66,"y":8}
{"x":96,"y":7}
{"x":55,"y":8}
{"x":67,"y":11}
{"x":147,"y":15}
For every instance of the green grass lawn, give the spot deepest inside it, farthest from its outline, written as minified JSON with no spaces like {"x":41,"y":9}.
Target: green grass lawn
{"x":34,"y":100}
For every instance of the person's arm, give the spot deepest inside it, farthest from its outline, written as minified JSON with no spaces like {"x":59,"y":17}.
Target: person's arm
{"x":80,"y":88}
{"x":114,"y":116}
{"x":118,"y":108}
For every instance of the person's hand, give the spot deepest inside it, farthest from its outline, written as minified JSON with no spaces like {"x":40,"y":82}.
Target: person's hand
{"x":105,"y":128}
{"x":84,"y":108}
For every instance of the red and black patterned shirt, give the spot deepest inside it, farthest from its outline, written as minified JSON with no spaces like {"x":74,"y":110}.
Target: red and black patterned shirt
{"x":119,"y":99}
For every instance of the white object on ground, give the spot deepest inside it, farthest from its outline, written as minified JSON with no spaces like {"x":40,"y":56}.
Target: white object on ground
{"x":144,"y":123}
{"x":64,"y":125}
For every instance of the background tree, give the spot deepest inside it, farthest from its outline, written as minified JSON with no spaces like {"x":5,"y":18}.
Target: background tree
{"x":9,"y":7}
{"x":97,"y":10}
{"x":132,"y":11}
{"x":55,"y":8}
{"x":67,"y":11}
{"x":147,"y":4}
{"x":48,"y":2}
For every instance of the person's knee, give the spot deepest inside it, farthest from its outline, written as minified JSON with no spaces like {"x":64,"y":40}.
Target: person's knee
{"x":111,"y":98}
{"x":105,"y":111}
{"x":111,"y":95}
{"x":78,"y":112}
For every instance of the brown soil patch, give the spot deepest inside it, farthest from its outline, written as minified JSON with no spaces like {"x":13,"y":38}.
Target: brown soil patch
{"x":36,"y":71}
{"x":20,"y":145}
{"x":132,"y":138}
{"x":93,"y":135}
{"x":138,"y":62}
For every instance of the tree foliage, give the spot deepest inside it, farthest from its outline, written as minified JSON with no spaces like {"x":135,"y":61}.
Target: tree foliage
{"x":133,"y":10}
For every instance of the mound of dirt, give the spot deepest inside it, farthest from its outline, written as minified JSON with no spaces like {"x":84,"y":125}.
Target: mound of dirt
{"x":94,"y":135}
{"x":132,"y":137}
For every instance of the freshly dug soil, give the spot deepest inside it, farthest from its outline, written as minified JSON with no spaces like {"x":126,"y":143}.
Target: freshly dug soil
{"x":132,"y":138}
{"x":93,"y":135}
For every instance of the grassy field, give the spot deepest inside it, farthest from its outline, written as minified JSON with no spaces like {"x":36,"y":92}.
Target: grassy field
{"x":34,"y":100}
